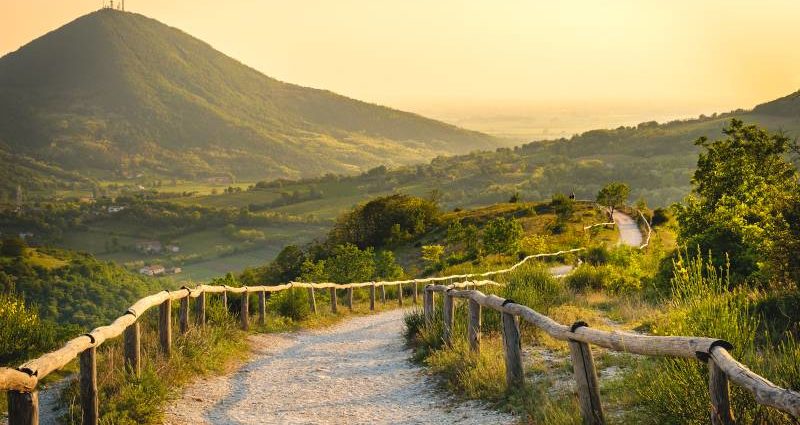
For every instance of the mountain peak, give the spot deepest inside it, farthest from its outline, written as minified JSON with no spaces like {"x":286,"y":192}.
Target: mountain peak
{"x":119,"y":92}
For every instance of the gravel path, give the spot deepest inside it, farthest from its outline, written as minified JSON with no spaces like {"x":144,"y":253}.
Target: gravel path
{"x":629,"y":233}
{"x":356,"y":372}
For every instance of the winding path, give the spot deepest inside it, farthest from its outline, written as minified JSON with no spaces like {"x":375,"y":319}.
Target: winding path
{"x":357,"y":372}
{"x":629,"y":232}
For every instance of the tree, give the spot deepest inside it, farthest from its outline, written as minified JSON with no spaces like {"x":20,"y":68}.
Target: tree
{"x":562,"y":206}
{"x":13,"y":247}
{"x":613,"y":195}
{"x":745,"y":202}
{"x":385,"y":221}
{"x":432,"y":254}
{"x":386,"y":268}
{"x":502,"y":236}
{"x":350,"y":264}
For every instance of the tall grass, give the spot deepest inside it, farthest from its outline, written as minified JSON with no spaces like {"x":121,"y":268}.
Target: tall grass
{"x":703,"y":302}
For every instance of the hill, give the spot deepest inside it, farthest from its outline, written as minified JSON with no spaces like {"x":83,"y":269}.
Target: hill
{"x":119,"y":94}
{"x":656,"y":160}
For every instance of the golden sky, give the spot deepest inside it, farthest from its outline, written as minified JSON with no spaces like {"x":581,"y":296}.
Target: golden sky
{"x":692,"y":56}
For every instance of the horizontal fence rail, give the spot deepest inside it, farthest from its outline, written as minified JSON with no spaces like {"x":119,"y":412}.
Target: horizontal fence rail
{"x":716,"y":352}
{"x":21,"y":383}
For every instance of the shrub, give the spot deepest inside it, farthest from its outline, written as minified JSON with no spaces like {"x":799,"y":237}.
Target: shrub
{"x":292,"y":303}
{"x":22,"y":333}
{"x":502,"y":236}
{"x":588,"y":277}
{"x":660,"y":216}
{"x":13,"y":247}
{"x":597,"y":255}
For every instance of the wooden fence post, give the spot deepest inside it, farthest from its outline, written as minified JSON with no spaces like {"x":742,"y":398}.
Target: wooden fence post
{"x":400,"y":294}
{"x":245,"y":311}
{"x":312,"y":300}
{"x":474,"y":331}
{"x":133,"y":351}
{"x":586,"y":379}
{"x":448,"y":318}
{"x":350,"y":298}
{"x":334,"y":308}
{"x":719,"y":389}
{"x":165,"y":327}
{"x":262,"y":308}
{"x":88,"y":384}
{"x":512,"y":350}
{"x":201,"y":309}
{"x":372,"y":297}
{"x":428,"y":305}
{"x":23,"y":408}
{"x":184,"y":315}
{"x":416,"y":292}
{"x":383,"y":294}
{"x":225,"y":301}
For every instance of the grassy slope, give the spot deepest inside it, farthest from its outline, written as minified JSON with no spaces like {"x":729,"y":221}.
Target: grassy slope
{"x":132,"y":94}
{"x":655,"y":160}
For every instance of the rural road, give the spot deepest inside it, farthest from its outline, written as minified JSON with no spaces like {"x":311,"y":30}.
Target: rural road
{"x":629,"y":233}
{"x":357,"y":372}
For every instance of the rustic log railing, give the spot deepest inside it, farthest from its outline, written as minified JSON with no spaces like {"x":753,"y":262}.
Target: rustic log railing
{"x":21,"y":383}
{"x":715,"y":352}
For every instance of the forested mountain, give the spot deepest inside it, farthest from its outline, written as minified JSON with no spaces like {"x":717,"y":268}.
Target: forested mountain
{"x":115,"y":93}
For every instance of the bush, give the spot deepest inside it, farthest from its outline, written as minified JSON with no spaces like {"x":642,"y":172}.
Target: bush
{"x":660,"y":216}
{"x":502,"y":236}
{"x":13,"y":247}
{"x":597,"y":255}
{"x":22,"y":333}
{"x":702,"y":303}
{"x":292,"y":303}
{"x":588,"y":277}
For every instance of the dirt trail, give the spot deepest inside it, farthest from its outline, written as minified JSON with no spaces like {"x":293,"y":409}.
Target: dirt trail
{"x":356,"y":372}
{"x":629,"y":232}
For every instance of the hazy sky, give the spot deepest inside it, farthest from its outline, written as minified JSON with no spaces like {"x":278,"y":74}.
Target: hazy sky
{"x":422,"y":55}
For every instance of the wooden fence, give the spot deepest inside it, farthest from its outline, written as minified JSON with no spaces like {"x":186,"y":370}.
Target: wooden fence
{"x":21,"y":383}
{"x":715,"y":352}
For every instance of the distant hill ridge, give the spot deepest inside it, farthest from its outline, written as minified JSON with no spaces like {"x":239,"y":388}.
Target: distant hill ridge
{"x":113,"y":93}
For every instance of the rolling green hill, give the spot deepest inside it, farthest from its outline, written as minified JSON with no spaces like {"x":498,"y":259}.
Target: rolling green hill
{"x":656,"y":160}
{"x":115,"y":94}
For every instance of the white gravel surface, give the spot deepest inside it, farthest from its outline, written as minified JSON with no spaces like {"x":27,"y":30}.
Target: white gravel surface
{"x":629,"y":233}
{"x":357,"y":372}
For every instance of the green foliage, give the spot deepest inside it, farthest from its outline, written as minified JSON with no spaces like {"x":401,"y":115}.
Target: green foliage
{"x":562,"y":206}
{"x":597,"y":255}
{"x":13,"y":247}
{"x":745,"y":202}
{"x":613,"y":195}
{"x":702,"y":303}
{"x":348,"y":264}
{"x":22,"y":333}
{"x":133,"y":95}
{"x":386,"y":267}
{"x":432,"y":254}
{"x":292,"y":303}
{"x":588,"y":277}
{"x":502,"y":236}
{"x":384,"y":221}
{"x":660,"y":216}
{"x":85,"y":291}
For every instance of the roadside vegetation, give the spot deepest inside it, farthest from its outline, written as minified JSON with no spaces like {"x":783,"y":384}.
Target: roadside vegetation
{"x":718,"y":266}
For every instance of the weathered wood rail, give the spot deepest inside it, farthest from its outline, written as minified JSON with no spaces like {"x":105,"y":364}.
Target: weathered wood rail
{"x":21,"y":383}
{"x":715,"y":352}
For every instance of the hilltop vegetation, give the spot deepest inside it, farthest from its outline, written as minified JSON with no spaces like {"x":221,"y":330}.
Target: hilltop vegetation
{"x":727,"y":277}
{"x":114,"y":94}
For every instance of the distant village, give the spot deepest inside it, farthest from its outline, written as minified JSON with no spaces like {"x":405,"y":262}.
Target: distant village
{"x":156,"y":247}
